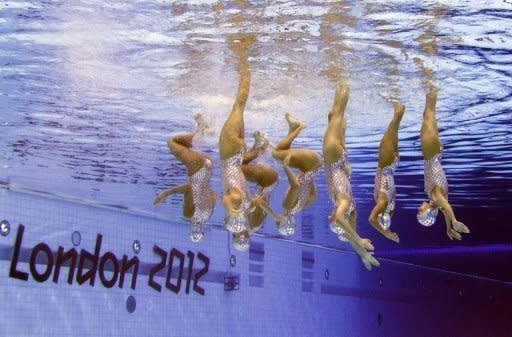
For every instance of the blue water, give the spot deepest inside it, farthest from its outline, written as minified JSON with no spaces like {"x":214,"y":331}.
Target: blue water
{"x":90,"y":92}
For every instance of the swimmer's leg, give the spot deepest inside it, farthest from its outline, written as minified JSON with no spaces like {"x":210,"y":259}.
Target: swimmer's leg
{"x":380,"y":207}
{"x":180,"y":147}
{"x":430,"y":142}
{"x":388,"y":148}
{"x":260,"y":174}
{"x":292,"y":194}
{"x":260,"y":145}
{"x":334,"y":137}
{"x":231,"y":139}
{"x":340,"y":101}
{"x":295,"y":129}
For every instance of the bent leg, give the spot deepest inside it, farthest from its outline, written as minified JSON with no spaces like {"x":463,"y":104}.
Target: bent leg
{"x":302,"y":159}
{"x":286,"y":142}
{"x":260,"y":174}
{"x":180,"y":147}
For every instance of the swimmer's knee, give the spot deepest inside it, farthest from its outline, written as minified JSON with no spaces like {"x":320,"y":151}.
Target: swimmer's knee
{"x":272,"y":176}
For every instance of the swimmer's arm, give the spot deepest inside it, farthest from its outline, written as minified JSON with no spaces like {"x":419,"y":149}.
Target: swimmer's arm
{"x":228,"y":204}
{"x":163,"y":196}
{"x":312,"y":196}
{"x":380,"y":207}
{"x":250,"y":156}
{"x":213,"y":198}
{"x":453,"y":226}
{"x":259,"y":202}
{"x":452,"y":234}
{"x":366,"y":257}
{"x":439,"y":198}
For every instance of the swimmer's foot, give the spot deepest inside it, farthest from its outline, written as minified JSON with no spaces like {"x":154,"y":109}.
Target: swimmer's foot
{"x":261,"y":142}
{"x":460,"y":227}
{"x":399,"y":111}
{"x":293,"y":122}
{"x":202,"y":126}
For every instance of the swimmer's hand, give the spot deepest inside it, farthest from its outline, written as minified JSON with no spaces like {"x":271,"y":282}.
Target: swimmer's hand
{"x":256,"y":202}
{"x":369,"y":261}
{"x":160,"y":199}
{"x":392,"y":236}
{"x":460,"y":227}
{"x":453,"y":234}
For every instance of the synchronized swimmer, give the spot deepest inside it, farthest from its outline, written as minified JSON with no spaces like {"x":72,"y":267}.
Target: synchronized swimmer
{"x":436,"y":185}
{"x":337,"y":173}
{"x":245,"y":213}
{"x":385,"y":191}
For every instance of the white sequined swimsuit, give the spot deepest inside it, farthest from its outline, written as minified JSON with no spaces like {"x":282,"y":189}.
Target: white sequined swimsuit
{"x":434,"y":175}
{"x":201,"y":192}
{"x":338,"y":183}
{"x":306,"y":184}
{"x":385,"y":183}
{"x":233,"y":176}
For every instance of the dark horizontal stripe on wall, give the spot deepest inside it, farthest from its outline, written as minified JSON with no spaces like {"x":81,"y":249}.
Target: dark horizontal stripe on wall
{"x":256,"y":268}
{"x":395,"y":296}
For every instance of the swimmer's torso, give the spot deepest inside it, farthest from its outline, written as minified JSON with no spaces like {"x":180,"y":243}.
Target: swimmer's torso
{"x":201,"y":192}
{"x":233,"y":176}
{"x":306,"y":182}
{"x":434,"y":175}
{"x":385,"y":183}
{"x":338,"y":182}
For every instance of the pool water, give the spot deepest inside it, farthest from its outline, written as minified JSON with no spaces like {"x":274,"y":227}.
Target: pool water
{"x":90,"y":92}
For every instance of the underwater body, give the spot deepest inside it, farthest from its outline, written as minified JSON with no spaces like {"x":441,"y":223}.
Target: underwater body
{"x":90,"y":92}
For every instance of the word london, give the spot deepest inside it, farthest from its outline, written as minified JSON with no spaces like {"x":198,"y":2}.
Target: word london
{"x":108,"y":267}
